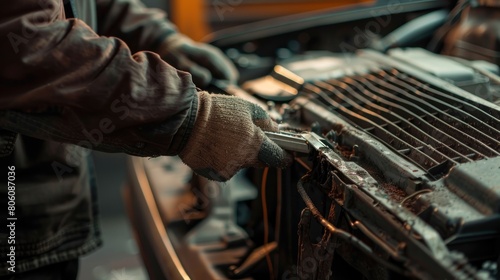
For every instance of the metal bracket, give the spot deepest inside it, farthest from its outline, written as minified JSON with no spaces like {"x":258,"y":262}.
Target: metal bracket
{"x":297,"y":142}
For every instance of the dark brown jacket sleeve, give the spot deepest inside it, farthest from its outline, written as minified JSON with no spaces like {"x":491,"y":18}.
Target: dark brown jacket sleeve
{"x":140,"y":27}
{"x":60,"y":81}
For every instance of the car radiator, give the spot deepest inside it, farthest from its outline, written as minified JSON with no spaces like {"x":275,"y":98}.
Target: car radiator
{"x":398,"y":177}
{"x":411,"y":165}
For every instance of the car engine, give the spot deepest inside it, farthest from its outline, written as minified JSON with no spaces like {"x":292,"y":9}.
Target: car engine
{"x":396,"y":176}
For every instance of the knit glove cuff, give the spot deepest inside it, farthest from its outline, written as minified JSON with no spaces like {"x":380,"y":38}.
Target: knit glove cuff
{"x":228,"y":135}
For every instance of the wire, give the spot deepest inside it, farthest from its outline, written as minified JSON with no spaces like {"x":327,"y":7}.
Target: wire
{"x":266,"y":222}
{"x":301,"y":162}
{"x":414,"y":195}
{"x":349,"y":238}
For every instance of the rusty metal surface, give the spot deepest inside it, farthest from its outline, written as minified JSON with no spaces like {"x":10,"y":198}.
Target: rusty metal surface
{"x":314,"y":260}
{"x":412,"y":160}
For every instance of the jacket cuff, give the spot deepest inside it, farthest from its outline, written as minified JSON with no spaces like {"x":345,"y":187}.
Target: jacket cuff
{"x":184,"y":132}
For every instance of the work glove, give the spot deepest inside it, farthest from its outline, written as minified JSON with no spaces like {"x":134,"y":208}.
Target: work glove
{"x":228,"y":135}
{"x":203,"y":61}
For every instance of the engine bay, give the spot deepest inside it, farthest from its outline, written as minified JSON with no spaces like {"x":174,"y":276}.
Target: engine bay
{"x":399,"y":177}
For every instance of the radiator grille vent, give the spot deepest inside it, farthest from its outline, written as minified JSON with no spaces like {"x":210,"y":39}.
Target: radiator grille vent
{"x":432,"y":127}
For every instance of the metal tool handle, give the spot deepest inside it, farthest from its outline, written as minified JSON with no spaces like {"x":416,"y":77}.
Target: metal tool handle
{"x":289,"y":141}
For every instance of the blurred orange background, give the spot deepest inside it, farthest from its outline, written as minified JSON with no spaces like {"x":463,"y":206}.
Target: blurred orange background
{"x":197,"y":18}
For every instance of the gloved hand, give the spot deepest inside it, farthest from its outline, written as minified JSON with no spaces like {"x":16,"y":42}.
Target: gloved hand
{"x":228,"y":135}
{"x":203,"y":61}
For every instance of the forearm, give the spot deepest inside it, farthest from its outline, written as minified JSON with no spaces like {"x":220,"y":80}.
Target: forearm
{"x":65,"y":82}
{"x":140,"y":27}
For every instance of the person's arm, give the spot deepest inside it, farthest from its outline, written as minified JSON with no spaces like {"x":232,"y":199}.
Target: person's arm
{"x":140,"y":27}
{"x":148,"y":29}
{"x":61,"y":81}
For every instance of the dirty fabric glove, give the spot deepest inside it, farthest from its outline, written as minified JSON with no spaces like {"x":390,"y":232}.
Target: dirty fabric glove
{"x":228,"y":135}
{"x":203,"y":61}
